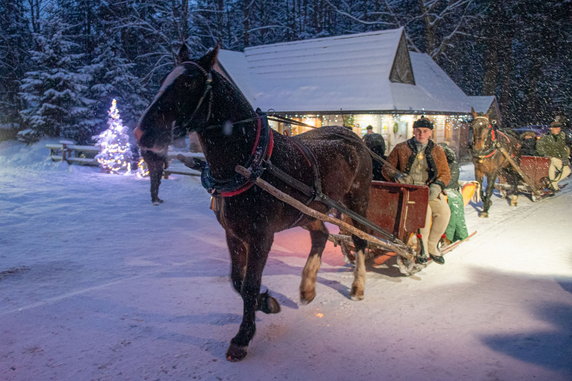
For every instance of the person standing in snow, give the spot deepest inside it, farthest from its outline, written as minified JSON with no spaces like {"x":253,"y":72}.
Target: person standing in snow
{"x":457,"y":228}
{"x":156,"y":165}
{"x":553,"y":145}
{"x":420,"y":161}
{"x":375,"y":143}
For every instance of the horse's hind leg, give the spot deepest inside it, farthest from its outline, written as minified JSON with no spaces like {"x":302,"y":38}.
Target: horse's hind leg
{"x":319,"y":236}
{"x":358,"y":286}
{"x":514,"y":190}
{"x":257,"y":246}
{"x":358,"y":202}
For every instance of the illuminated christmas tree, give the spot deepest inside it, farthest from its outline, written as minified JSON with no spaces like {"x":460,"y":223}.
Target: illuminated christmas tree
{"x":115,"y":151}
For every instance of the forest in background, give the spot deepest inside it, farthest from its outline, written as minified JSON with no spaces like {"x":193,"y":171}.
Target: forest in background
{"x":62,"y":61}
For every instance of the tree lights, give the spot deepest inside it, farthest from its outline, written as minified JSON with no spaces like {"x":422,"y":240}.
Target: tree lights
{"x":115,"y":153}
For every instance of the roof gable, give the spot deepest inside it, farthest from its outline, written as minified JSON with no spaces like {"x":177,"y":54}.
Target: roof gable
{"x":401,"y":70}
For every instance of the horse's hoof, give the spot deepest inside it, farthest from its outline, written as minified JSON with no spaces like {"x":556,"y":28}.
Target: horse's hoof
{"x":268,"y":304}
{"x":306,"y":297}
{"x":236,"y":353}
{"x":483,"y":214}
{"x":356,"y":294}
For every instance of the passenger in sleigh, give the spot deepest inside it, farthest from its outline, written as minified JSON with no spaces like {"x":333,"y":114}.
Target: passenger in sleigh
{"x":528,"y":144}
{"x":420,"y":161}
{"x":457,"y":227}
{"x":553,"y":145}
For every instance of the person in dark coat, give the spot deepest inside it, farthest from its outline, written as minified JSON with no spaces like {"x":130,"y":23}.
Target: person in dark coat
{"x":528,"y":144}
{"x":553,"y":145}
{"x":156,"y":165}
{"x":376,"y":143}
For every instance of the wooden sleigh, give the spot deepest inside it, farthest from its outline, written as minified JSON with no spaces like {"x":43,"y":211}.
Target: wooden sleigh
{"x":399,"y":210}
{"x":533,"y":172}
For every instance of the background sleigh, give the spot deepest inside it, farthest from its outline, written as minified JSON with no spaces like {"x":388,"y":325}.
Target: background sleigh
{"x":535,"y":169}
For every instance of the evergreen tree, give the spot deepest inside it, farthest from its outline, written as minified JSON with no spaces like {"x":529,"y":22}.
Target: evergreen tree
{"x":54,"y":88}
{"x":112,"y":77}
{"x":15,"y":42}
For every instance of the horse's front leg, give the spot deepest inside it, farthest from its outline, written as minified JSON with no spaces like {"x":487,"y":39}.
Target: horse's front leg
{"x":257,"y":248}
{"x":237,"y":250}
{"x":487,"y":198}
{"x":479,"y":178}
{"x":319,"y":236}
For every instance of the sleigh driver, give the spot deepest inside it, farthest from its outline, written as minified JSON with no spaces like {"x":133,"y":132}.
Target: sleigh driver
{"x":419,"y":161}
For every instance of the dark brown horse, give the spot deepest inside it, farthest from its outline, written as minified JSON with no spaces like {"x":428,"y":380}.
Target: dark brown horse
{"x":487,"y":143}
{"x":195,"y":96}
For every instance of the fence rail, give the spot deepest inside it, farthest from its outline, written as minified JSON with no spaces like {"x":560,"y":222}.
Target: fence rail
{"x":85,"y":155}
{"x":73,"y":153}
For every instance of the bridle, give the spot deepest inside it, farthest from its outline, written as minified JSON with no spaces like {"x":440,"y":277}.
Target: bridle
{"x":261,"y":150}
{"x":486,"y":152}
{"x":207,"y":92}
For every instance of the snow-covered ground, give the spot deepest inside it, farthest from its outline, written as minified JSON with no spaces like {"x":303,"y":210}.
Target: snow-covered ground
{"x":98,"y":284}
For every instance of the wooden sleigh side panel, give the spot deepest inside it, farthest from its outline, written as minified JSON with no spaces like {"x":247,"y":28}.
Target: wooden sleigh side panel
{"x":398,"y":208}
{"x":536,"y":168}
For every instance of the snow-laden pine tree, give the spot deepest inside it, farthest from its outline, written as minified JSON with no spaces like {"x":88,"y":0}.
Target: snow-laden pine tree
{"x":112,"y":77}
{"x":15,"y":43}
{"x":115,"y":153}
{"x":54,"y":89}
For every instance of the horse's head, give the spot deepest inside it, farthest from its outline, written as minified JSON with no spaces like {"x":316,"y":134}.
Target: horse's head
{"x":481,"y":131}
{"x":182,"y":102}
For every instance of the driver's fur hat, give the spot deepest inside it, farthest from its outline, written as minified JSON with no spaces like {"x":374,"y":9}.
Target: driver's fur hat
{"x":423,"y":122}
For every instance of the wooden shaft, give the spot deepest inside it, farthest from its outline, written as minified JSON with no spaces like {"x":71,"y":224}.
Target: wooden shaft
{"x":520,"y":172}
{"x":315,"y":214}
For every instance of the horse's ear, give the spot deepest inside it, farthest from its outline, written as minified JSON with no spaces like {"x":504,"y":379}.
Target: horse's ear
{"x":209,"y":59}
{"x":473,"y":113}
{"x":183,"y":54}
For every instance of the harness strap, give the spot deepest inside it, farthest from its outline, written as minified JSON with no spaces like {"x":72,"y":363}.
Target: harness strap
{"x":261,"y":149}
{"x":311,"y":160}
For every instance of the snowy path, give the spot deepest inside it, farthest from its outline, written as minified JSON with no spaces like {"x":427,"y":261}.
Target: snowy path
{"x":97,"y":284}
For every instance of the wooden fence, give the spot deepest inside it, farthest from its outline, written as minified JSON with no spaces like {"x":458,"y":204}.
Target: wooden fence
{"x":85,"y":155}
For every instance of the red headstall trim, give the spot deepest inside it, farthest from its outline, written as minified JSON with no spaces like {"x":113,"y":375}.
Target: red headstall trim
{"x":493,"y":137}
{"x":490,"y":154}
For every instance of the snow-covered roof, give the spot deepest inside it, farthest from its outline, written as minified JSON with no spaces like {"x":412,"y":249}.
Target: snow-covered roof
{"x":482,"y":103}
{"x":342,"y":73}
